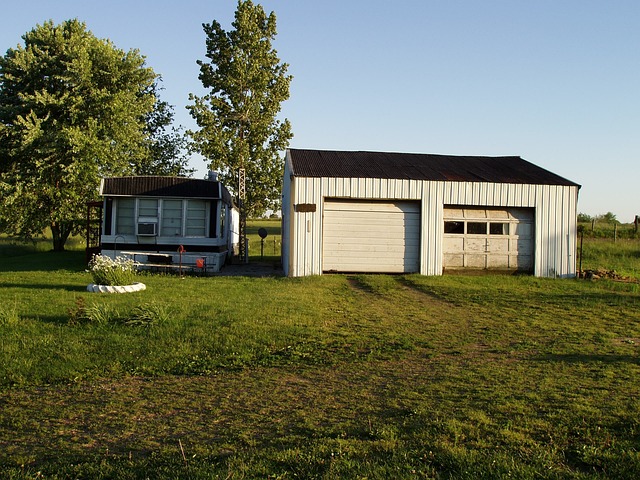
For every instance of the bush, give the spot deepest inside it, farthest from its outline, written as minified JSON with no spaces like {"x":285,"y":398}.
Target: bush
{"x":148,"y":314}
{"x":108,"y":271}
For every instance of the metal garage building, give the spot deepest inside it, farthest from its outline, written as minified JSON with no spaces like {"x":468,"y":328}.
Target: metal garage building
{"x":403,"y":213}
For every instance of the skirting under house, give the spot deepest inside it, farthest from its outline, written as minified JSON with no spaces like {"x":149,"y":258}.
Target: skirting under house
{"x":379,"y":212}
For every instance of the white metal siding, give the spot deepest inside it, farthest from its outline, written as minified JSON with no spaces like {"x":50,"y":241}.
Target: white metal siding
{"x":555,"y":232}
{"x":371,"y":236}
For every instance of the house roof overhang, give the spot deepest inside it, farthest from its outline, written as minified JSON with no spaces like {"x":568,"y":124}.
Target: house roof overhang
{"x":157,"y":186}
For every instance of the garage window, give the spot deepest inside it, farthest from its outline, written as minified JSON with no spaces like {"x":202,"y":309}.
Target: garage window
{"x":476,"y":228}
{"x":498,"y":228}
{"x":454,"y":227}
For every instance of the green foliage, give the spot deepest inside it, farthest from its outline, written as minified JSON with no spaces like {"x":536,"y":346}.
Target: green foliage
{"x":608,"y":217}
{"x":108,"y":271}
{"x":73,"y":108}
{"x":622,"y":256}
{"x":102,"y":313}
{"x":168,"y":145}
{"x":238,"y":120}
{"x":597,"y":228}
{"x":584,"y":218}
{"x":148,"y":314}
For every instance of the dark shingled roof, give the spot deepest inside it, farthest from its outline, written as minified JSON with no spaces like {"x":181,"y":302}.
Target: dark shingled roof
{"x":148,"y":186}
{"x":415,"y":166}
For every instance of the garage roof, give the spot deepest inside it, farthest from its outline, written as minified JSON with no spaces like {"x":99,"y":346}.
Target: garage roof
{"x":417,"y":166}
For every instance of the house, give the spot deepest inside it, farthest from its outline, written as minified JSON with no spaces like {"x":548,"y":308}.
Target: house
{"x":381,"y":212}
{"x":168,"y":221}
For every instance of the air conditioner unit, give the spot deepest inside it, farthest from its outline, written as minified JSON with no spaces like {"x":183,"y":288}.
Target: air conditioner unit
{"x":147,"y":229}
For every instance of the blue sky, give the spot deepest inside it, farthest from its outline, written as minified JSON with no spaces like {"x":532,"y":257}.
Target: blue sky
{"x":557,"y":83}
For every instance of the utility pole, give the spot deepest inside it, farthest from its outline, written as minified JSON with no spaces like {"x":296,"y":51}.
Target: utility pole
{"x":242,"y":194}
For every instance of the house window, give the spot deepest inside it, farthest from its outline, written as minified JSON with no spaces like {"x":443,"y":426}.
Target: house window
{"x":125,"y":215}
{"x":171,"y":218}
{"x":196,"y":221}
{"x":148,"y":208}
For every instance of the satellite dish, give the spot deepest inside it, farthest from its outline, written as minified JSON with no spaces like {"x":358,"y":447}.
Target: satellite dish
{"x":262,"y":232}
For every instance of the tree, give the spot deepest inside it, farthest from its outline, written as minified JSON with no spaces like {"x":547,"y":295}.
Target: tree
{"x":238,"y":121}
{"x":608,"y":217}
{"x":73,"y":108}
{"x":584,"y":218}
{"x":168,"y":145}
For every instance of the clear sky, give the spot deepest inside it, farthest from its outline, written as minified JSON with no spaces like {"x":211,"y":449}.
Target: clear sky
{"x":555,"y":82}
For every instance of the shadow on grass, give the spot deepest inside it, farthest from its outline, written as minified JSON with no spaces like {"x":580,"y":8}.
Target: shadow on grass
{"x":54,"y":319}
{"x":575,"y":358}
{"x":47,"y":286}
{"x":73,"y":261}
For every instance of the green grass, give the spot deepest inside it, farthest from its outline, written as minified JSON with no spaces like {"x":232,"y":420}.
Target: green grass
{"x":267,"y":250}
{"x":13,"y":246}
{"x":623,"y":255}
{"x":339,"y":376}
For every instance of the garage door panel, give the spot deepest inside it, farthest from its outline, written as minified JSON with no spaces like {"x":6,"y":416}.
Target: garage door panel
{"x":476,"y":261}
{"x":500,"y":245}
{"x":524,"y":246}
{"x":475,"y":244}
{"x":497,"y":261}
{"x":491,"y":238}
{"x":524,"y":230}
{"x":454,"y":261}
{"x":523,"y":262}
{"x":371,"y":236}
{"x":453,"y":244}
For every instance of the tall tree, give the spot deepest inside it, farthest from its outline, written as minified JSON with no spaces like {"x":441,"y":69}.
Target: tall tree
{"x":168,"y":144}
{"x":73,"y":108}
{"x":238,"y":120}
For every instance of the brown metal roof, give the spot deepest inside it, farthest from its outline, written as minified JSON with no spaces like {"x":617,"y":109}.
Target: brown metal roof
{"x":414,"y":166}
{"x":149,"y":186}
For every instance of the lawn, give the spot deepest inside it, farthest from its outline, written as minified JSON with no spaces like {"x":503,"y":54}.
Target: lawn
{"x":339,"y":376}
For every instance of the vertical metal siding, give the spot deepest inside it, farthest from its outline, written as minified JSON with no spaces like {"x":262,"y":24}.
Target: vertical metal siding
{"x":555,"y":217}
{"x":287,"y":216}
{"x":432,"y":228}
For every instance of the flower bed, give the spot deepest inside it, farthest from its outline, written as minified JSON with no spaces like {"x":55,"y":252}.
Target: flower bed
{"x":113,"y":275}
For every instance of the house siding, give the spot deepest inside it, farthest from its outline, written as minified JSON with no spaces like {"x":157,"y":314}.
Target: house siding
{"x":554,"y":206}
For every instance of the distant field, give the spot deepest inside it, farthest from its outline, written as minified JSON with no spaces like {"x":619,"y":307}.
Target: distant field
{"x":339,"y":376}
{"x":622,"y":256}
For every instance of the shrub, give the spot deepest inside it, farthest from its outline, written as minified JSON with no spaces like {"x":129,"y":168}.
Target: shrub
{"x":148,"y":314}
{"x":108,"y":271}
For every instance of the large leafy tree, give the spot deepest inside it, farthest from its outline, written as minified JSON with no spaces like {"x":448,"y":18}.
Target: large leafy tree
{"x":239,"y":128}
{"x":168,"y":144}
{"x":73,"y":108}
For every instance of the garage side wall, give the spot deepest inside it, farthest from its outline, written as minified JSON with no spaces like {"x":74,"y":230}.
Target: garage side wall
{"x":555,"y":214}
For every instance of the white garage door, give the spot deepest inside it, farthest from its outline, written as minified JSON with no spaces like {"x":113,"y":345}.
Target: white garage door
{"x":374,"y":237}
{"x":489,"y":238}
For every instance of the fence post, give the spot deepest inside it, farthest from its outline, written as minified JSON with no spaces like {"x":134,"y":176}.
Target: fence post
{"x":615,"y":232}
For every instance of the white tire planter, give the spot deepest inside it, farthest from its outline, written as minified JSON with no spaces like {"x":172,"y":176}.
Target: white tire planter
{"x":136,"y":287}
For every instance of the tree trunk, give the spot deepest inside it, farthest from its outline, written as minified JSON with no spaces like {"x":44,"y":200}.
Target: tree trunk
{"x":60,"y":235}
